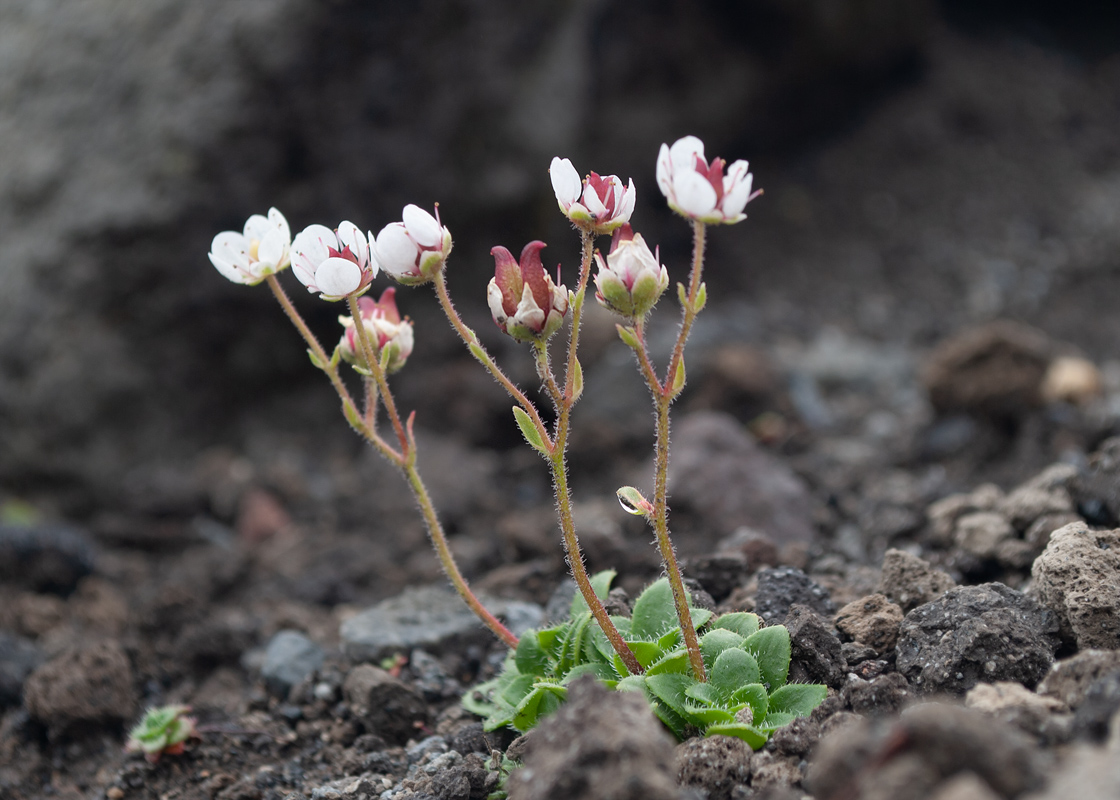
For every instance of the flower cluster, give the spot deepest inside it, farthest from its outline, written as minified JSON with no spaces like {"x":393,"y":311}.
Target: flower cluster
{"x":524,"y":301}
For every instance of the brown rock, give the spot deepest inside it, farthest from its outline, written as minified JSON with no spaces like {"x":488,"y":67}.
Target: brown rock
{"x":387,"y":706}
{"x":872,"y":620}
{"x":910,"y":582}
{"x":88,"y":685}
{"x":1078,"y":577}
{"x":716,"y":765}
{"x":1070,"y":678}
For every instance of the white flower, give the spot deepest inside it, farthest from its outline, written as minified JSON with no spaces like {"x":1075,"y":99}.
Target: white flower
{"x":605,"y":203}
{"x":700,"y":190}
{"x":385,"y":329}
{"x":413,"y":250}
{"x":334,"y":263}
{"x":630,"y":280}
{"x":261,"y":250}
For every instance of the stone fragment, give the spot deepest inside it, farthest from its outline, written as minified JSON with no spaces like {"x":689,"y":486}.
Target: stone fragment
{"x":910,"y":581}
{"x":289,"y":658}
{"x":719,"y":573}
{"x":816,"y":655}
{"x":1096,"y":489}
{"x":981,"y":533}
{"x":772,"y":773}
{"x":781,"y":587}
{"x":387,"y":706}
{"x":883,"y":695}
{"x":44,"y":557}
{"x":18,"y":657}
{"x":976,"y":633}
{"x":716,"y":765}
{"x":598,"y":744}
{"x":944,"y":513}
{"x":87,"y":685}
{"x":1078,"y":576}
{"x":720,"y":471}
{"x":1016,"y":705}
{"x":1071,"y":379}
{"x":1095,"y":716}
{"x":1088,"y":772}
{"x":1069,"y":679}
{"x":872,"y":620}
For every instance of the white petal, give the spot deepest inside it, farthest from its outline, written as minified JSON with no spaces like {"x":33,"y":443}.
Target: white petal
{"x":312,"y":242}
{"x":350,"y":236}
{"x":228,"y":271}
{"x":272,"y":249}
{"x":528,"y":313}
{"x":566,"y":182}
{"x":279,"y":223}
{"x":625,"y":207}
{"x":593,"y":203}
{"x":665,"y":171}
{"x":736,"y":189}
{"x":232,"y":248}
{"x":494,"y":300}
{"x":338,"y":277}
{"x":256,"y":227}
{"x":395,"y":250}
{"x":422,"y":226}
{"x":374,"y":263}
{"x":683,"y":154}
{"x":695,"y":196}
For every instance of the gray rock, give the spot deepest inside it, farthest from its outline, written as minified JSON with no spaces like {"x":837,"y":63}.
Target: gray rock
{"x":599,"y":744}
{"x":911,"y":581}
{"x":719,"y":471}
{"x":815,"y":653}
{"x":289,"y":658}
{"x":1078,"y":576}
{"x":388,"y":707}
{"x":871,"y":620}
{"x":1102,"y":700}
{"x":1089,"y":772}
{"x":944,"y":513}
{"x":1096,"y":489}
{"x":431,"y":618}
{"x":714,"y":765}
{"x":884,"y":695}
{"x":44,"y":557}
{"x":980,"y":534}
{"x":973,"y":634}
{"x":779,"y":588}
{"x":18,"y":657}
{"x":1069,"y":679}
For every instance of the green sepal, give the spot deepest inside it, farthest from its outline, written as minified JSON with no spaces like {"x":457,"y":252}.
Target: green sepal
{"x":353,"y":417}
{"x":701,"y":298}
{"x":336,"y":356}
{"x":772,"y":649}
{"x":577,"y":381}
{"x":529,"y":430}
{"x":682,"y":295}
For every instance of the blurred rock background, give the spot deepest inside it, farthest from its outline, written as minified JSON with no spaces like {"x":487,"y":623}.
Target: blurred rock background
{"x":928,"y":167}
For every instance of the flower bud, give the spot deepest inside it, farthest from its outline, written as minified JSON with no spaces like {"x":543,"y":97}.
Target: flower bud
{"x":525,"y":302}
{"x":701,"y":191}
{"x":414,"y":250}
{"x":630,"y":280}
{"x":384,"y":328}
{"x":261,"y":250}
{"x":598,"y":204}
{"x":335,"y":263}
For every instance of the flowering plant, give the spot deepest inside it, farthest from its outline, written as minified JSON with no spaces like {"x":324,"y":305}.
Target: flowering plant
{"x":698,"y":672}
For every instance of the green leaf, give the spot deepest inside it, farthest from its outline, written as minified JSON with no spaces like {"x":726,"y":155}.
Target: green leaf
{"x":514,"y":692}
{"x":315,"y":359}
{"x":704,"y":692}
{"x":632,"y":683}
{"x":479,"y":700}
{"x":629,"y":337}
{"x":733,"y":669}
{"x":353,"y":417}
{"x":531,"y":658}
{"x":599,"y":669}
{"x":703,"y":716}
{"x":477,"y":351}
{"x":669,"y":687}
{"x":600,"y":584}
{"x":776,"y":719}
{"x":716,"y":641}
{"x":678,"y":378}
{"x":646,"y":652}
{"x":742,"y":622}
{"x":772,"y":649}
{"x":700,"y":617}
{"x":748,"y":733}
{"x":701,"y":298}
{"x":670,"y":639}
{"x":798,"y":698}
{"x":577,"y":382}
{"x":529,"y":430}
{"x":550,"y":639}
{"x":654,"y":611}
{"x":682,"y":295}
{"x":754,"y":695}
{"x":676,"y":661}
{"x":540,"y":702}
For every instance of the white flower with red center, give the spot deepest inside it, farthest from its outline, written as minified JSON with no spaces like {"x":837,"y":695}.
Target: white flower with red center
{"x":335,"y":263}
{"x":414,"y":250}
{"x":598,"y":204}
{"x":631,"y":279}
{"x":699,"y":190}
{"x":524,"y":301}
{"x":384,"y":328}
{"x":262,"y":249}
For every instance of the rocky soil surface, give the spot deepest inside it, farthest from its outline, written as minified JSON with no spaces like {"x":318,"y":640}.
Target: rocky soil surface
{"x":900,"y":436}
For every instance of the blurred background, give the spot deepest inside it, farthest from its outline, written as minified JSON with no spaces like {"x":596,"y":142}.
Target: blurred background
{"x":928,"y":167}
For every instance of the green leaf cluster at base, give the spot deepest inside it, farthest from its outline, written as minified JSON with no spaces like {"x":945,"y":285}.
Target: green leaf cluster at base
{"x":746,"y":694}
